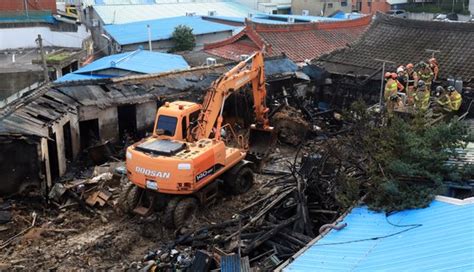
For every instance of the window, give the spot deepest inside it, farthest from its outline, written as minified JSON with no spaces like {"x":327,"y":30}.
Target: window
{"x":184,"y":127}
{"x":167,"y":124}
{"x":369,"y":3}
{"x":330,"y":5}
{"x":344,"y":4}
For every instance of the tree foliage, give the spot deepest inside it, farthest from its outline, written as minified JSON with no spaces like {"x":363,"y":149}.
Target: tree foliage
{"x":183,"y":38}
{"x":404,"y":161}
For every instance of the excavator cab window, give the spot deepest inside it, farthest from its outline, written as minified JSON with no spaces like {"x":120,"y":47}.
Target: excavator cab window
{"x":193,"y":118}
{"x":167,"y":124}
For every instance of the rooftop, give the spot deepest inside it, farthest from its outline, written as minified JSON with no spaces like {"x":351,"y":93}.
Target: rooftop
{"x":139,"y":61}
{"x":32,"y":114}
{"x":161,"y":29}
{"x":299,"y":41}
{"x":387,"y":39}
{"x":439,"y":237}
{"x":120,"y":14}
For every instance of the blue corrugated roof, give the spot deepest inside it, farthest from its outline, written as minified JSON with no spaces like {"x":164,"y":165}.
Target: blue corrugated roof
{"x":161,"y":29}
{"x":75,"y":77}
{"x":140,"y":61}
{"x":440,"y":237}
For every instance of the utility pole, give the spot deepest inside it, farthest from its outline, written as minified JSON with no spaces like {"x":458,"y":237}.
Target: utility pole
{"x":383,"y":76}
{"x":149,"y":38}
{"x":39,"y":40}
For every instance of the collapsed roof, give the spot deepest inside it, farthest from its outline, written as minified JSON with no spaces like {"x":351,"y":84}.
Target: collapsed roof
{"x":406,"y":41}
{"x":35,"y":113}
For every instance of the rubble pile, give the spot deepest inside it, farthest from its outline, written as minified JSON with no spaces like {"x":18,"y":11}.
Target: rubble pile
{"x":293,"y":200}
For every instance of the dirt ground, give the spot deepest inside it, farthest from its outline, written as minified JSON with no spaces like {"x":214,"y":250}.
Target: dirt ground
{"x":72,"y":238}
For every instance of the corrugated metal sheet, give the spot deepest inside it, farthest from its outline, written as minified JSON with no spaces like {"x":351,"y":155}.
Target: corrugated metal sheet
{"x":440,"y":237}
{"x":120,"y":14}
{"x":139,"y":61}
{"x":230,"y":263}
{"x":161,"y":29}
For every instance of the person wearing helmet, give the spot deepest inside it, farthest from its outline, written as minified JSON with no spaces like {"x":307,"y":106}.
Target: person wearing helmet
{"x":442,"y":98}
{"x":433,"y":63}
{"x":426,"y":74}
{"x":412,"y":81}
{"x":400,"y":86}
{"x":422,"y":96}
{"x":391,"y":90}
{"x":402,"y":78}
{"x":455,"y":99}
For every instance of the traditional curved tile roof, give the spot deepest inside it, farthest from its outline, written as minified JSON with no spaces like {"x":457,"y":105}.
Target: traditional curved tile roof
{"x":298,"y":41}
{"x":403,"y":41}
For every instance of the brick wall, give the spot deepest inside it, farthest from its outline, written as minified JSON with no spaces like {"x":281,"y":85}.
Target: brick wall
{"x":371,"y":6}
{"x":19,"y":5}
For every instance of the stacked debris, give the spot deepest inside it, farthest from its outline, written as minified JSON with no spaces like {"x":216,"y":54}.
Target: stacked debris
{"x":94,"y":191}
{"x":285,"y":213}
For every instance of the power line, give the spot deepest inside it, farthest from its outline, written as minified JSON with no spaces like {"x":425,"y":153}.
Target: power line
{"x":410,"y":227}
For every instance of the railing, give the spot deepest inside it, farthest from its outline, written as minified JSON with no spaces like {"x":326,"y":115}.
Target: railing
{"x":23,"y":16}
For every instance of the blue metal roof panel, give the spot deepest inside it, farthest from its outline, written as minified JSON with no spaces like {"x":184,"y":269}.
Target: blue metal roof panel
{"x":76,"y":77}
{"x":119,"y":14}
{"x":440,"y":237}
{"x":140,"y":61}
{"x":161,"y":29}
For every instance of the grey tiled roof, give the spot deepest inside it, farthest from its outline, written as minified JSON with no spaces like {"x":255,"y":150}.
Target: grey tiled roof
{"x":403,"y":41}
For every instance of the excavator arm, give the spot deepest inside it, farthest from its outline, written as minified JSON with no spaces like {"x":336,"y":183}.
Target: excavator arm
{"x":251,"y":71}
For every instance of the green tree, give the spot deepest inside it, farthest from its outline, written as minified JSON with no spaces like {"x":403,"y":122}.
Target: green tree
{"x":183,"y":38}
{"x":404,"y":161}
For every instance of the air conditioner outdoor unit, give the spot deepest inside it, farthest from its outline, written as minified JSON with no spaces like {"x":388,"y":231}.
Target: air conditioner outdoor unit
{"x":211,"y":61}
{"x":291,"y":20}
{"x":243,"y":57}
{"x":305,"y":12}
{"x":190,"y":13}
{"x":212,"y":13}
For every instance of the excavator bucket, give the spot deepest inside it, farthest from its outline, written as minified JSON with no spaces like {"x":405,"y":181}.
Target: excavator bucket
{"x":261,"y":141}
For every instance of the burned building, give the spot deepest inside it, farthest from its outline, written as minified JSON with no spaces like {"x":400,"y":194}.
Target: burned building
{"x":356,"y":72}
{"x":41,"y":133}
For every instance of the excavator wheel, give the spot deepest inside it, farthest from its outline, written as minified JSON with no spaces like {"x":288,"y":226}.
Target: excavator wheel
{"x":168,"y":218}
{"x":129,"y":197}
{"x":239,"y":182}
{"x":184,"y":210}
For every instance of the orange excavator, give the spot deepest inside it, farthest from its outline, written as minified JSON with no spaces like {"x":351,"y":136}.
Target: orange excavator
{"x":177,"y":169}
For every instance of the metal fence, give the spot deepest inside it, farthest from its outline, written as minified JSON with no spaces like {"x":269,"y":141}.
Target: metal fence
{"x":28,"y":16}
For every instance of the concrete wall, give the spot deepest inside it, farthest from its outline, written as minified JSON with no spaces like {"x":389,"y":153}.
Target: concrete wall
{"x":316,"y":6}
{"x":12,"y":82}
{"x":108,"y":121}
{"x":25,"y":37}
{"x":430,"y":16}
{"x":166,"y":45}
{"x":146,"y":113}
{"x":471,"y":6}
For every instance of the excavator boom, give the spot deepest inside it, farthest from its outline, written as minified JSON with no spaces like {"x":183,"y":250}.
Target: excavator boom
{"x":248,"y":71}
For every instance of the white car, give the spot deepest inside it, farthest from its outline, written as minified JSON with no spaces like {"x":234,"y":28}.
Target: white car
{"x":400,"y":13}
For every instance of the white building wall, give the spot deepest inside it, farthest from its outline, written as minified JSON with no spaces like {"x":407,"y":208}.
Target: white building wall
{"x":471,"y":6}
{"x":11,"y":38}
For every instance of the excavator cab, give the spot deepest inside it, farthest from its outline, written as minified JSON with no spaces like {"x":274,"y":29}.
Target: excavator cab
{"x":175,"y":120}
